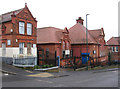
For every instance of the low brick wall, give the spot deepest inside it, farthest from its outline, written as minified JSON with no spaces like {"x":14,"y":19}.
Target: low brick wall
{"x":103,"y":59}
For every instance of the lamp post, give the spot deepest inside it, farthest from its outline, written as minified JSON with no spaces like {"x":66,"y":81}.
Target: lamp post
{"x":87,"y":40}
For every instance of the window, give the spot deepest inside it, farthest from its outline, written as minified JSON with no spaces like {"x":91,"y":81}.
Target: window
{"x":94,"y":52}
{"x":29,"y":45}
{"x":63,"y":54}
{"x":21,"y":47}
{"x":63,"y":45}
{"x":29,"y":29}
{"x":9,"y":42}
{"x":113,"y":49}
{"x":71,"y":53}
{"x":21,"y":27}
{"x":34,"y":45}
{"x":47,"y":52}
{"x":67,"y":45}
{"x":116,"y":49}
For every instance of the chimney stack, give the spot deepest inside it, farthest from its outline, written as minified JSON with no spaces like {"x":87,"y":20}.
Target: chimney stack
{"x":25,"y":4}
{"x":80,"y":20}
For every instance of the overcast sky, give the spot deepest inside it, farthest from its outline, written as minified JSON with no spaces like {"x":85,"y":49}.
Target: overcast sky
{"x":63,"y":13}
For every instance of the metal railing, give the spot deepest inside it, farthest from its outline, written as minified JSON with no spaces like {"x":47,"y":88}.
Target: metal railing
{"x":25,"y":62}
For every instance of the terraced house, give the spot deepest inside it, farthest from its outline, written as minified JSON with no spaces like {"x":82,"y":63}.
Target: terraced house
{"x":18,"y":33}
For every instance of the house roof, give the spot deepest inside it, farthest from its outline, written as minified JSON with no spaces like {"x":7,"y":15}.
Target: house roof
{"x":114,"y":41}
{"x":48,"y":35}
{"x":97,"y":33}
{"x":7,"y":16}
{"x":78,"y":35}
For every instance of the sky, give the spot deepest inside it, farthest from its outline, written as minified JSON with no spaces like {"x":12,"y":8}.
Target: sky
{"x":63,"y":13}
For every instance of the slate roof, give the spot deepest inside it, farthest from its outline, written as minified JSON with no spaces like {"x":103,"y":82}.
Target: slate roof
{"x":48,"y":35}
{"x":77,"y":34}
{"x":114,"y":41}
{"x":7,"y":16}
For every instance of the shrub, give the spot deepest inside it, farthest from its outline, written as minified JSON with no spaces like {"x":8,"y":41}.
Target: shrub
{"x":44,"y":66}
{"x":47,"y":66}
{"x":51,"y":65}
{"x":36,"y":67}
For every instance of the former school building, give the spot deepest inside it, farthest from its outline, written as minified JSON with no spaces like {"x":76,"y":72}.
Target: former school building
{"x":18,"y":33}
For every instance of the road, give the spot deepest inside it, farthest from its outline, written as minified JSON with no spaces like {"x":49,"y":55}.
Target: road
{"x":25,"y":78}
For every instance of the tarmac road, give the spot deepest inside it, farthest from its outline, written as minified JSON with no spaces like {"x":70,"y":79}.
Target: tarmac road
{"x":24,"y":78}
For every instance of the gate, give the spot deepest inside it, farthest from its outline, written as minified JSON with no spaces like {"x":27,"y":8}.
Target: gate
{"x":85,"y":57}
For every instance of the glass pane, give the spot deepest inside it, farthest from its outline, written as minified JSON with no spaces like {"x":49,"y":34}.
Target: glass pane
{"x":9,"y":42}
{"x":21,"y":27}
{"x":117,"y":49}
{"x":29,"y":28}
{"x":21,"y":46}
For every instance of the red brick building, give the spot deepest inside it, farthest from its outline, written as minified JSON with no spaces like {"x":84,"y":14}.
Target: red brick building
{"x":53,"y":42}
{"x":114,"y":48}
{"x":96,"y":42}
{"x":18,"y":33}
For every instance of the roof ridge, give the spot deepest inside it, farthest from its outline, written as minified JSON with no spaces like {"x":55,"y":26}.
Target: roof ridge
{"x":12,"y":11}
{"x":50,"y":27}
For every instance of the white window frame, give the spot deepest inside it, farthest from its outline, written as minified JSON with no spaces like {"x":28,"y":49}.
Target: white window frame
{"x":8,"y":42}
{"x":113,"y":48}
{"x":29,"y":29}
{"x":21,"y":47}
{"x":21,"y":27}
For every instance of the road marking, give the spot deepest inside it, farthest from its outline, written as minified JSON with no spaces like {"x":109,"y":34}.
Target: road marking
{"x":41,"y":75}
{"x":6,"y":74}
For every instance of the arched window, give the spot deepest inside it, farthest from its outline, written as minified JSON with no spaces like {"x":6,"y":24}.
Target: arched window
{"x":63,"y":45}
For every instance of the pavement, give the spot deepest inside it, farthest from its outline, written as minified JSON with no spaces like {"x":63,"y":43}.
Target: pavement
{"x":9,"y":69}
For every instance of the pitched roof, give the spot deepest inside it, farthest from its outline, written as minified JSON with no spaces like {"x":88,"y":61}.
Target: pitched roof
{"x":49,"y":35}
{"x":114,"y":41}
{"x":96,"y":33}
{"x":78,"y":35}
{"x":7,"y":16}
